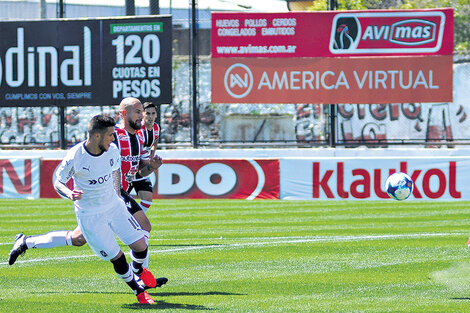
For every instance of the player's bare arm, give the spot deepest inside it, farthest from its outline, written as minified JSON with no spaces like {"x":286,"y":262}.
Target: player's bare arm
{"x":153,"y":149}
{"x":147,"y":167}
{"x":66,"y":192}
{"x":117,"y":181}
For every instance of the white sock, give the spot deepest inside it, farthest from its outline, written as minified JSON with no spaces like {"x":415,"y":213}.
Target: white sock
{"x":49,"y":240}
{"x":68,"y":238}
{"x":146,"y":261}
{"x":128,"y":276}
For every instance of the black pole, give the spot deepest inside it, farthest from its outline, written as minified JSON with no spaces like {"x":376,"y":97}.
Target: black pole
{"x":332,"y":5}
{"x":61,"y":9}
{"x":154,"y":7}
{"x":194,"y":58}
{"x":61,"y":108}
{"x":62,"y":121}
{"x":332,"y":139}
{"x":130,"y":7}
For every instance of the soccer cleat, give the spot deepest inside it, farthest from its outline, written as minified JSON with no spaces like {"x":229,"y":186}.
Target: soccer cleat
{"x":147,"y":278}
{"x":161,"y":281}
{"x":468,"y":243}
{"x":145,"y":298}
{"x":19,"y":248}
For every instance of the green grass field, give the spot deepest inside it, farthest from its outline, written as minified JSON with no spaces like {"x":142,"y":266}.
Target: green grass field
{"x":258,"y":256}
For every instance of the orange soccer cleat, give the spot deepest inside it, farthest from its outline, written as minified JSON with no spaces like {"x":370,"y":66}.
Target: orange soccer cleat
{"x":147,"y":278}
{"x":145,"y":298}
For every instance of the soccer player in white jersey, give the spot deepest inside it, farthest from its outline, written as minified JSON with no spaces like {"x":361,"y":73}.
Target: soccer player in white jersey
{"x":101,"y":213}
{"x":131,"y":111}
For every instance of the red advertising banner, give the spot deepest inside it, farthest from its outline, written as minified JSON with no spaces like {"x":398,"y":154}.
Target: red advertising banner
{"x":404,"y":79}
{"x":201,"y":179}
{"x":227,"y":179}
{"x":333,"y":33}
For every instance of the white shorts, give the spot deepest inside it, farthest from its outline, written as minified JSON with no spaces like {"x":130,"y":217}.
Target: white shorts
{"x":100,"y":229}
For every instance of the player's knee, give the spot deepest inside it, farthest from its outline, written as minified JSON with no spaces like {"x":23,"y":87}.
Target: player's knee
{"x":139,"y":246}
{"x":78,"y":241}
{"x":147,"y":197}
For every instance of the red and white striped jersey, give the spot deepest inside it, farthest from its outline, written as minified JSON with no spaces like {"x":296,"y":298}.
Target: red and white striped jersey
{"x":150,"y":137}
{"x":132,"y":152}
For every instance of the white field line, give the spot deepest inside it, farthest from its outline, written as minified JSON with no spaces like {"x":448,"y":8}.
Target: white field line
{"x":274,"y":242}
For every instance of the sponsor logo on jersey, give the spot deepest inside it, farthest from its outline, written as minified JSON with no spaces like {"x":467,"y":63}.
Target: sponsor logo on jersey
{"x":130,"y":158}
{"x":100,"y":180}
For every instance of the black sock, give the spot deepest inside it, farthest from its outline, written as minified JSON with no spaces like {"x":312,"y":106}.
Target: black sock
{"x":138,"y":260}
{"x":123,"y":270}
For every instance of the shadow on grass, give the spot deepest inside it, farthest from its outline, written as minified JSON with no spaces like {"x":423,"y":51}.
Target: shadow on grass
{"x":160,"y":294}
{"x":162,"y":305}
{"x":467,"y":298}
{"x":208,"y":293}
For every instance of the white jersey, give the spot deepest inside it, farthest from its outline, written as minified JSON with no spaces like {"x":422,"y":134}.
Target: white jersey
{"x":91,"y":174}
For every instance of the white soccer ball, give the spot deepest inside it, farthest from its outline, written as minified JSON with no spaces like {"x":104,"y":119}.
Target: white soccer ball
{"x":399,"y":186}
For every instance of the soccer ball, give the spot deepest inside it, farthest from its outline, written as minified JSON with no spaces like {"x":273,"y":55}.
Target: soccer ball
{"x":399,"y":186}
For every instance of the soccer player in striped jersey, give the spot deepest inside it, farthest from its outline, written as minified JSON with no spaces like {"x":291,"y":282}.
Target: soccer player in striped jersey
{"x":149,"y":132}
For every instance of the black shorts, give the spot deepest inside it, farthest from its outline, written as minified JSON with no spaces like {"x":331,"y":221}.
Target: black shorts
{"x":131,"y":204}
{"x":141,"y":185}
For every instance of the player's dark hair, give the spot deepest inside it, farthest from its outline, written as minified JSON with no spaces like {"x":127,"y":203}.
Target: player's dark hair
{"x":149,"y":105}
{"x":100,"y":123}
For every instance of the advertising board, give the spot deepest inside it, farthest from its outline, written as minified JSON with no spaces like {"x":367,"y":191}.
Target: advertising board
{"x":86,"y":61}
{"x":332,"y":33}
{"x":345,"y":57}
{"x":200,"y":179}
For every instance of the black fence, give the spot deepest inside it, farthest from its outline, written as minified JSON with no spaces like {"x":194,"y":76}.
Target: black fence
{"x":191,"y":120}
{"x":259,"y":125}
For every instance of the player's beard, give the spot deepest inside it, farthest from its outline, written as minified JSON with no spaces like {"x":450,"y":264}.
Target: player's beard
{"x":102,"y":147}
{"x":135,"y":125}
